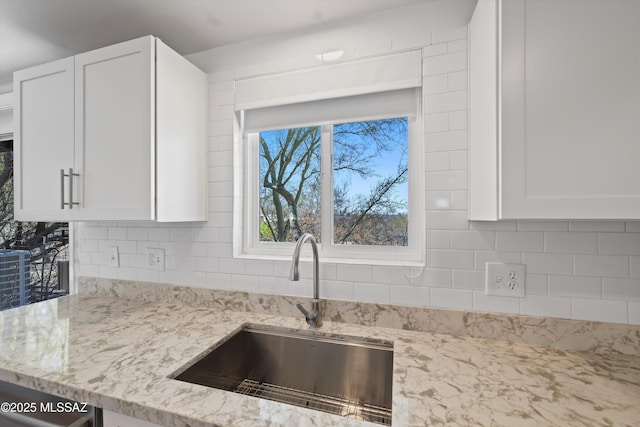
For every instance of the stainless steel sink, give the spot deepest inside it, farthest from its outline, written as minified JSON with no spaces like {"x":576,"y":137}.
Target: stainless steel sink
{"x":341,"y":375}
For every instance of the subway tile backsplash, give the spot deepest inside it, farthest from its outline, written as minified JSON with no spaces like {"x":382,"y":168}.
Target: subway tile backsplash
{"x":588,"y":270}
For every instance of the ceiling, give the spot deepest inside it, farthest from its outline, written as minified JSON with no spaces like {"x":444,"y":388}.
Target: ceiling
{"x":37,"y":31}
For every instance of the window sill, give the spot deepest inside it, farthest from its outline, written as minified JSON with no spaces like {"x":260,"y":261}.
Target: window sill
{"x":330,"y":260}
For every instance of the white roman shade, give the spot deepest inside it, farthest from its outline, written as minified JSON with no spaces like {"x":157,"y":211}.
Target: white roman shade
{"x":359,"y":77}
{"x":379,"y":105}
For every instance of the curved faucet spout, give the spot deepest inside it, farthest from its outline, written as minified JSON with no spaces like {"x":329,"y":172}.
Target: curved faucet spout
{"x":295,"y":274}
{"x":313,"y":318}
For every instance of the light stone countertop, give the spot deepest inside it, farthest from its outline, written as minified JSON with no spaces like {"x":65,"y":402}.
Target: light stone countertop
{"x":119,"y":353}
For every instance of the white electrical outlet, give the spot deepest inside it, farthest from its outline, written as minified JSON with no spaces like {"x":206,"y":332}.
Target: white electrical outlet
{"x":114,"y":257}
{"x":155,"y":259}
{"x":505,"y":279}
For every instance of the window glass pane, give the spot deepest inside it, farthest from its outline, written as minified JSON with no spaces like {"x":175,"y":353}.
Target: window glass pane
{"x":289,"y":184}
{"x":370,"y":177}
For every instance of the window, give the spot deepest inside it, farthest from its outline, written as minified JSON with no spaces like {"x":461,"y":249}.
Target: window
{"x":337,"y":152}
{"x":370,"y":183}
{"x":348,"y":183}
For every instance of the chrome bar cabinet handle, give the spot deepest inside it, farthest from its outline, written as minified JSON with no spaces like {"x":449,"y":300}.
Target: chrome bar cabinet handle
{"x":71,"y":175}
{"x":62,"y":176}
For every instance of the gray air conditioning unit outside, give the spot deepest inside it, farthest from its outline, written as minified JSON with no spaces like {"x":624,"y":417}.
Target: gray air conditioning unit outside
{"x":15,"y":284}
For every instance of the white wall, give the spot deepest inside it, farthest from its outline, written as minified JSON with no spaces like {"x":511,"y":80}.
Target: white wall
{"x":393,"y":30}
{"x":575,"y":269}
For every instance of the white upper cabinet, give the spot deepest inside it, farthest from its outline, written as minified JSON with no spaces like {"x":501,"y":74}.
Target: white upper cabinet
{"x":119,"y":135}
{"x":43,"y":140}
{"x":554,"y":110}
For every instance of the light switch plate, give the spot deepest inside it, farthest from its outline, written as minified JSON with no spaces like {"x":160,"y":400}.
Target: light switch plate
{"x":114,"y":257}
{"x":505,"y":280}
{"x":155,"y":259}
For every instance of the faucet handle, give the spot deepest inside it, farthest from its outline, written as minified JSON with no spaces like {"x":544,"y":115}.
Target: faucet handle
{"x":311,"y":318}
{"x":304,"y":311}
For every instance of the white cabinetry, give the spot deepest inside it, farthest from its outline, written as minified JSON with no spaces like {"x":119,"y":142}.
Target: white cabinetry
{"x":128,"y":120}
{"x":554,"y":109}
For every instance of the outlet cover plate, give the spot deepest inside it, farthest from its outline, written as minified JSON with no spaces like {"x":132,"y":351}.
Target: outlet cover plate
{"x":155,"y":259}
{"x":505,"y":280}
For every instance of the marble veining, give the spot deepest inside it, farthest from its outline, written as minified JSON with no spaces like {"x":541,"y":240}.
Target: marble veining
{"x":597,"y":337}
{"x":120,"y":354}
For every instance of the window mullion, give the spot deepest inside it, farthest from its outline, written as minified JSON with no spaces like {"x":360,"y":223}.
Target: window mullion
{"x":326,"y":189}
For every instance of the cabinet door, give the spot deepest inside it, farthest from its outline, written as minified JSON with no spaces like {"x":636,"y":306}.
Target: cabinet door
{"x":571,"y":109}
{"x":43,"y":140}
{"x":115,"y":131}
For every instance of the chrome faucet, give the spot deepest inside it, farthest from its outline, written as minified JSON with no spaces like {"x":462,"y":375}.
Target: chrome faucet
{"x":314,"y":319}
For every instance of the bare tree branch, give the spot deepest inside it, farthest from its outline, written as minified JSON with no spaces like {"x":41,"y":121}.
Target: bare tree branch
{"x":374,"y":199}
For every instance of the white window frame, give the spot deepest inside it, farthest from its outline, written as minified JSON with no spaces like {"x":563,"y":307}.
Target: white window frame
{"x":413,"y":254}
